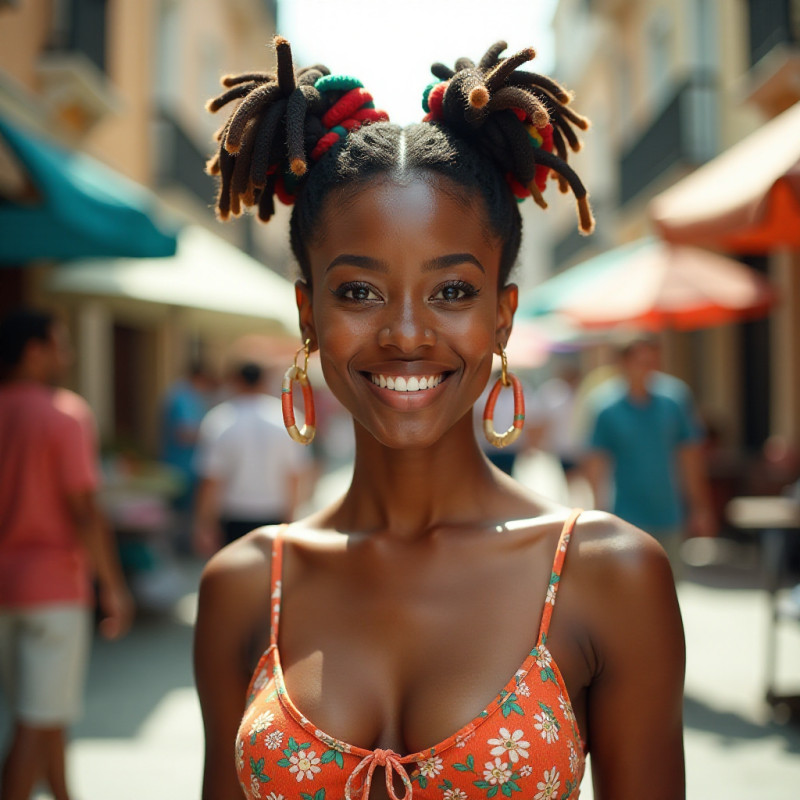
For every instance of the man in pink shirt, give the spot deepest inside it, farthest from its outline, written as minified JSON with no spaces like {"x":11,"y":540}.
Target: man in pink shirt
{"x":53,"y":542}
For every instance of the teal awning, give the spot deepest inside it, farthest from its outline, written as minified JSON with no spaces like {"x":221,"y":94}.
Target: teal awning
{"x":79,"y":208}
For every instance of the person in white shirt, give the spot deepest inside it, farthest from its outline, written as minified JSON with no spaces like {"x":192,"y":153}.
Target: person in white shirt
{"x":250,"y":470}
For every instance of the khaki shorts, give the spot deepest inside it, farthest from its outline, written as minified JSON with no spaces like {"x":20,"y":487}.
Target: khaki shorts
{"x":44,"y":653}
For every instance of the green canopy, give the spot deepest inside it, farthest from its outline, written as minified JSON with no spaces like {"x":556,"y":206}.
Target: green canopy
{"x":81,"y":208}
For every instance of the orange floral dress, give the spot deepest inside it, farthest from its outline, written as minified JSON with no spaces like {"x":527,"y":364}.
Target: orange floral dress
{"x":524,"y":744}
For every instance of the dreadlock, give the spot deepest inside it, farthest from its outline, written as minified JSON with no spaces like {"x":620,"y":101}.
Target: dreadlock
{"x":490,"y":128}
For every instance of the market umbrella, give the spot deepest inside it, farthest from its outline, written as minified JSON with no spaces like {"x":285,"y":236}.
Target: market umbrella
{"x":653,"y":285}
{"x":746,"y":200}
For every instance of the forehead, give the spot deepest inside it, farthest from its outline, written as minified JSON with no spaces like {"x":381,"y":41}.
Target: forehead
{"x":425,"y":214}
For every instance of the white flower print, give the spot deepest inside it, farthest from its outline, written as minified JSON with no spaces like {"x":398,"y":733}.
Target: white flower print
{"x":543,"y":659}
{"x":305,"y":763}
{"x":273,"y":796}
{"x":547,"y":725}
{"x":454,"y":794}
{"x":566,"y":708}
{"x":262,"y":679}
{"x":461,"y":741}
{"x":548,"y":786}
{"x":255,"y":787}
{"x":510,"y":744}
{"x":525,"y":770}
{"x":498,"y":773}
{"x":564,"y":542}
{"x":523,"y":690}
{"x":551,"y":594}
{"x":274,"y":740}
{"x":239,"y":755}
{"x":261,"y":722}
{"x":573,"y":758}
{"x":430,"y":767}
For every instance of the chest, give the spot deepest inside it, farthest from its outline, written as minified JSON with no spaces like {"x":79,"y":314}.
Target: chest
{"x":400,"y":654}
{"x":643,"y":429}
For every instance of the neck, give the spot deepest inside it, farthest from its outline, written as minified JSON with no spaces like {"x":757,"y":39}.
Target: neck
{"x":408,"y":493}
{"x":637,"y":387}
{"x":24,"y":374}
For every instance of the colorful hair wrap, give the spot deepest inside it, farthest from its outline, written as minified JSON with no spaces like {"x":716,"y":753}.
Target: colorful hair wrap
{"x":347,"y":114}
{"x":521,"y":119}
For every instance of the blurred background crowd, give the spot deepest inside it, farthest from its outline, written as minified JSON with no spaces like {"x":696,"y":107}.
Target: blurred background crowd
{"x":181,"y":328}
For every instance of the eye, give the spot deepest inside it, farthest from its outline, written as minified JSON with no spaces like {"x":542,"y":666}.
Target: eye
{"x":356,"y":292}
{"x":453,"y":291}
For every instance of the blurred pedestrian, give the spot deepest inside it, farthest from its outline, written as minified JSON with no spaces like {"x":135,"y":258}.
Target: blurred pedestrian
{"x":52,"y":539}
{"x":645,"y":425}
{"x":185,"y":404}
{"x":556,"y":396}
{"x":250,"y":472}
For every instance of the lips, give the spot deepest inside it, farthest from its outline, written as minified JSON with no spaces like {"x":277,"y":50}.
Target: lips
{"x":407,"y":383}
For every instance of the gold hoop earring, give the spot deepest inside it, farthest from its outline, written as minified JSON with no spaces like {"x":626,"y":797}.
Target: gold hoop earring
{"x":295,"y":373}
{"x":512,"y":434}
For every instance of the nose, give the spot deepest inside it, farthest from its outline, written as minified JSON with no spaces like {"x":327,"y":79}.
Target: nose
{"x":406,"y":329}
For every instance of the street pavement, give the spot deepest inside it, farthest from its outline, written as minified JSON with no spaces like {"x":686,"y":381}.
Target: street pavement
{"x":141,"y":736}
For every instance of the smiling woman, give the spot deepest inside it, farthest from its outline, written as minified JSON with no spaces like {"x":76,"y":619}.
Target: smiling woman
{"x":418,"y":630}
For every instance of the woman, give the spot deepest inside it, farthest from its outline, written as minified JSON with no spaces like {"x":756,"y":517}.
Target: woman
{"x":402,"y":643}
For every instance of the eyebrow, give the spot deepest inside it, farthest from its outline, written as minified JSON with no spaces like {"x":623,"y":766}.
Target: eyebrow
{"x":358,"y":261}
{"x":431,"y":265}
{"x":450,"y":260}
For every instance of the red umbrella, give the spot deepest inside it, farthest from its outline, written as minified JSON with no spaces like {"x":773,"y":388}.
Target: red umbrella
{"x":653,"y":285}
{"x":746,"y":200}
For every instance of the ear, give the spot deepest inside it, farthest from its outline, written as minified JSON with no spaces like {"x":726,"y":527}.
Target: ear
{"x":507,"y":300}
{"x":302,"y":292}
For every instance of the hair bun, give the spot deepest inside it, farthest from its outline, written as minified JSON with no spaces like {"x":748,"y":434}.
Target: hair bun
{"x":522,"y":120}
{"x":280,"y":119}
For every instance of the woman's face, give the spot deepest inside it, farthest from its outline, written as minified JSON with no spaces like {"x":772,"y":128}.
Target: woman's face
{"x":405,"y":307}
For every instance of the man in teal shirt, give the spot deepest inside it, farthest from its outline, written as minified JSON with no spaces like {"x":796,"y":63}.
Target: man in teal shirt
{"x":646,"y":427}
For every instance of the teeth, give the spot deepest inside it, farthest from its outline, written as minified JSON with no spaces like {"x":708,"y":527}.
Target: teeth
{"x":412,"y":384}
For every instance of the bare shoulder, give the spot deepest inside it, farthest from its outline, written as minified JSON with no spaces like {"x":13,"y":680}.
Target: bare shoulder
{"x":240,"y":572}
{"x":607,"y":546}
{"x":624,"y":585}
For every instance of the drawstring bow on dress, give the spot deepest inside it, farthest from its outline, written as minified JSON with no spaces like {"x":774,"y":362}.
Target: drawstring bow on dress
{"x":391,"y":763}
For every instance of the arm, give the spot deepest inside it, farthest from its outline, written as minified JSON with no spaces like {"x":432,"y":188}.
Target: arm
{"x":695,"y":483}
{"x":207,"y":536}
{"x":635,"y":698}
{"x":232,"y":593}
{"x":94,"y":532}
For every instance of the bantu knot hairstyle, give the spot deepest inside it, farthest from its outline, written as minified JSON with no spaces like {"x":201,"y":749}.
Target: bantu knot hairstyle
{"x":282,"y":120}
{"x":517,"y":118}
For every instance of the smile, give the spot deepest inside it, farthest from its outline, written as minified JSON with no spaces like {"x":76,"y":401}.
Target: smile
{"x":412,"y":383}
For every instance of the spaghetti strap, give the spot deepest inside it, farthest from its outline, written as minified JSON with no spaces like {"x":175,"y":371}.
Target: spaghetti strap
{"x":275,"y":584}
{"x":555,"y":573}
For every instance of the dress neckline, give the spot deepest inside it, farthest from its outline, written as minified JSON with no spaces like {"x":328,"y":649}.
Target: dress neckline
{"x":505,"y":695}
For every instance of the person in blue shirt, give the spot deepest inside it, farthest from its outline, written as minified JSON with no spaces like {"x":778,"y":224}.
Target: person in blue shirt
{"x":184,"y":407}
{"x":646,"y":433}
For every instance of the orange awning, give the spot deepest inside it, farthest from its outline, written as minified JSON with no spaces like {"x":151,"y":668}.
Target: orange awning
{"x":746,"y":200}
